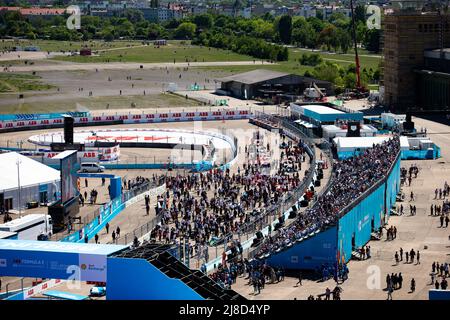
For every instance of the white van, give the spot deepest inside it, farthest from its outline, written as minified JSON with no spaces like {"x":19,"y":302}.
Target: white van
{"x":91,"y":167}
{"x":30,"y":227}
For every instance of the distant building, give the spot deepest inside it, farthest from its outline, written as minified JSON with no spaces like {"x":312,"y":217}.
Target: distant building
{"x":268,"y":84}
{"x":408,"y":66}
{"x":433,"y":80}
{"x":43,"y":12}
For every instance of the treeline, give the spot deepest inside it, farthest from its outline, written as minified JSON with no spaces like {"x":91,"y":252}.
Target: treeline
{"x":314,"y":32}
{"x":342,"y":77}
{"x":254,"y":47}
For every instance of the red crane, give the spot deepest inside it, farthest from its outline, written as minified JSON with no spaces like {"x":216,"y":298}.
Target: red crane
{"x":358,"y":75}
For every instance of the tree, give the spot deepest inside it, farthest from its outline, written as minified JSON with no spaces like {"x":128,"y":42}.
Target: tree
{"x":185,"y":30}
{"x":133,"y":15}
{"x":329,"y":37}
{"x":327,"y":71}
{"x":360,"y":13}
{"x":108,"y":36}
{"x":285,"y":29}
{"x":361,"y":30}
{"x":372,"y":40}
{"x":319,"y":15}
{"x":344,"y":39}
{"x":303,"y":34}
{"x":204,"y":20}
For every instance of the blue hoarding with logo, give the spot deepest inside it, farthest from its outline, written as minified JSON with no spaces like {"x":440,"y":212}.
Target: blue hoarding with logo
{"x":54,"y":260}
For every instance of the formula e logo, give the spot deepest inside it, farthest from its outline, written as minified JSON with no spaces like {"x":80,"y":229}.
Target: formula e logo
{"x":3,"y":263}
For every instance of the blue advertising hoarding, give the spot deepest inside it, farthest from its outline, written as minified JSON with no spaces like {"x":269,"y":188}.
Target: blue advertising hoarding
{"x":54,"y":260}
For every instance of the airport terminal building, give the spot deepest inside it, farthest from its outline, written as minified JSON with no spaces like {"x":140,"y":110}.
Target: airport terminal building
{"x":269,"y":84}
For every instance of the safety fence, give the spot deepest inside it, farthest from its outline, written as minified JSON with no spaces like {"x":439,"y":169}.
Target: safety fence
{"x":90,"y":224}
{"x":143,"y":231}
{"x":129,"y":118}
{"x":268,"y":221}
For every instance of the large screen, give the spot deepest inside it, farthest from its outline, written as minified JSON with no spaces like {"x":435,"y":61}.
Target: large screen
{"x":69,"y":187}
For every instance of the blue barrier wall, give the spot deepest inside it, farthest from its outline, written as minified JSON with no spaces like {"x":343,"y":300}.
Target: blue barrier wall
{"x":392,"y":187}
{"x":353,"y":231}
{"x":358,"y":222}
{"x":107,"y":213}
{"x":137,"y":279}
{"x":368,"y":215}
{"x":308,"y":254}
{"x":434,"y":294}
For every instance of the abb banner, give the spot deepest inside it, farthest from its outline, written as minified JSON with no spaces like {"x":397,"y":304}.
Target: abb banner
{"x":230,"y":114}
{"x":110,"y":154}
{"x":83,"y":156}
{"x":88,"y":156}
{"x":41,"y":288}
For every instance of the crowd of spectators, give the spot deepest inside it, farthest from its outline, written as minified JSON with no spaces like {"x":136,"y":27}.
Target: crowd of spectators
{"x":208,"y":207}
{"x":351,"y":178}
{"x":136,"y":182}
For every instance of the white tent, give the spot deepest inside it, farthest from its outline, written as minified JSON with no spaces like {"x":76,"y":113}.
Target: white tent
{"x":32,"y":173}
{"x":352,"y":143}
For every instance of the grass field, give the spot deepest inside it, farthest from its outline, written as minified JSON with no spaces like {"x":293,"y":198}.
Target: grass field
{"x":293,"y":66}
{"x":52,"y":45}
{"x":174,"y":50}
{"x":366,"y":59}
{"x":97,"y":103}
{"x":14,"y":82}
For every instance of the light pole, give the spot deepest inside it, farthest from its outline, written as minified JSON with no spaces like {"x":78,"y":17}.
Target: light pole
{"x":18,"y":162}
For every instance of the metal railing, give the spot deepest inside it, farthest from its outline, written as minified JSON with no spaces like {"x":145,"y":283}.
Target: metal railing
{"x":90,"y":217}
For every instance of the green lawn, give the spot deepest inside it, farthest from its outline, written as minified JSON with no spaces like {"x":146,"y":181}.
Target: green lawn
{"x":293,"y":66}
{"x":174,"y":50}
{"x":53,"y":45}
{"x":366,"y":59}
{"x":14,"y":82}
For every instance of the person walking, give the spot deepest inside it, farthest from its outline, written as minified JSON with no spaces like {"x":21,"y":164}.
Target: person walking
{"x":413,"y":285}
{"x":300,"y":278}
{"x":113,"y":235}
{"x":436,"y":285}
{"x":86,"y":239}
{"x":327,"y":293}
{"x":401,"y":254}
{"x":107,"y":228}
{"x":390,"y":290}
{"x":400,"y":280}
{"x":396,"y":258}
{"x":418,"y":257}
{"x":96,"y":238}
{"x":412,"y":254}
